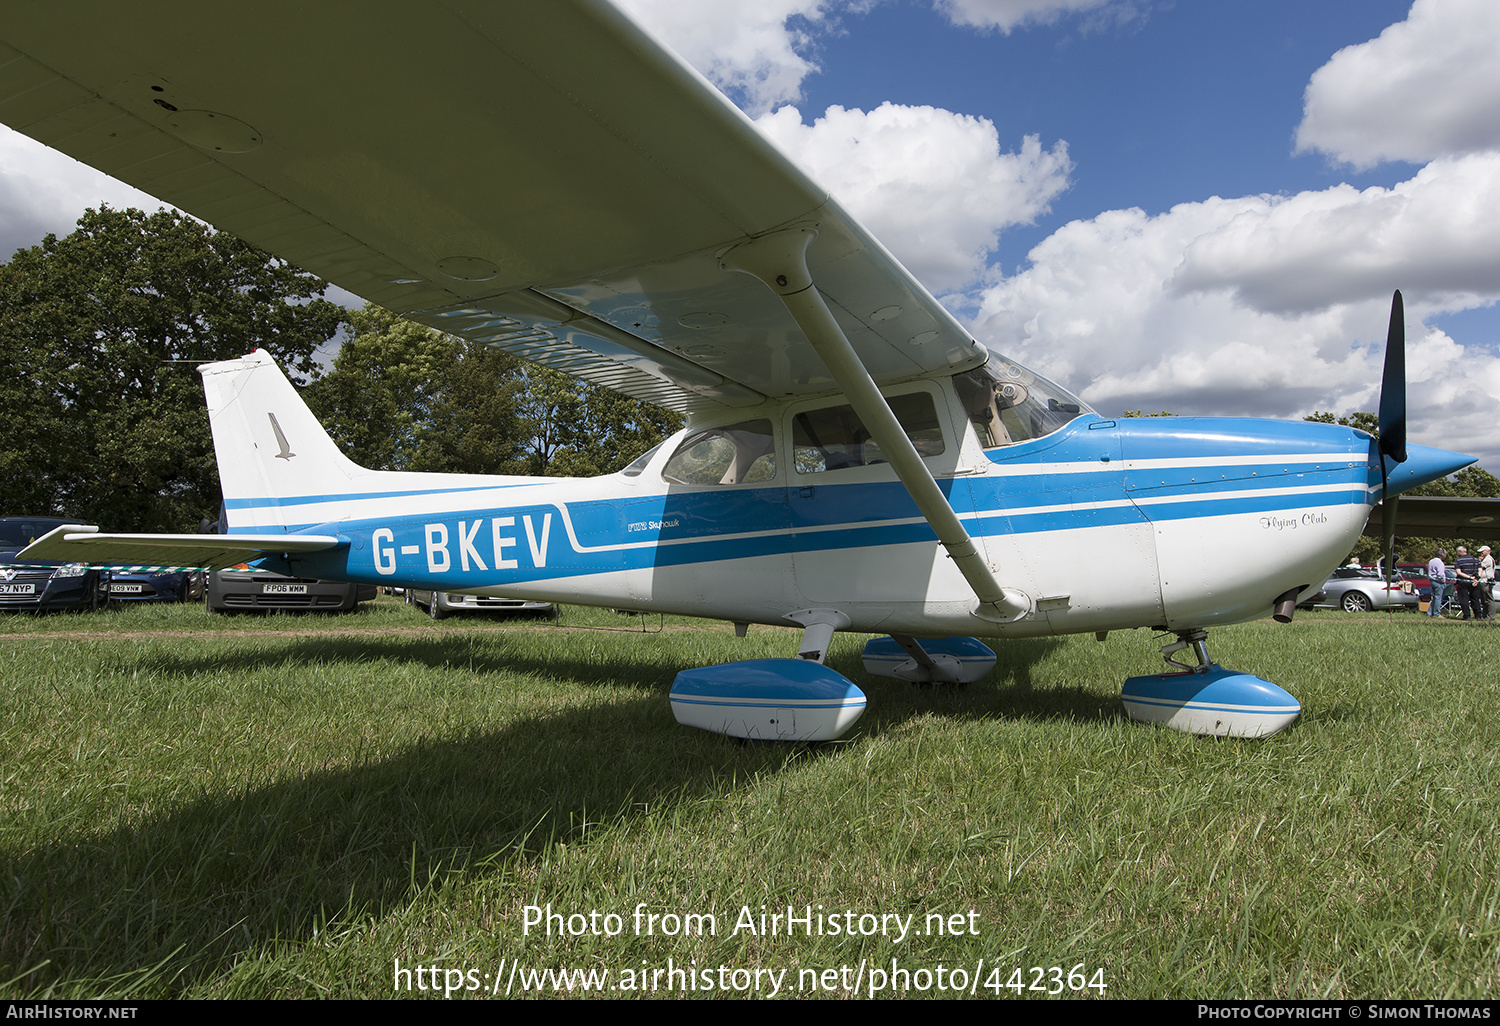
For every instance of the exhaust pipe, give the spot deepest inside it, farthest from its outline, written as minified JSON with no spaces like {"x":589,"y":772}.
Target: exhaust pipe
{"x":1286,"y":604}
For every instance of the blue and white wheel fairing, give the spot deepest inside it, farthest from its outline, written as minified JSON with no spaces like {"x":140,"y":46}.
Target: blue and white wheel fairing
{"x":1216,"y":702}
{"x":768,"y":699}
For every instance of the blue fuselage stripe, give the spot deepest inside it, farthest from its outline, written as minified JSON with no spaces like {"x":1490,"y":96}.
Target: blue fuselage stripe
{"x":1240,"y":467}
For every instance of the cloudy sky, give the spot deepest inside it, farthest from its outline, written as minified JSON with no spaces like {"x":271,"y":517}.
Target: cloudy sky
{"x":1165,"y":204}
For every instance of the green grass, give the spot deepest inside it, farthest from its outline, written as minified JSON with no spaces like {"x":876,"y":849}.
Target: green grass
{"x":285,"y":806}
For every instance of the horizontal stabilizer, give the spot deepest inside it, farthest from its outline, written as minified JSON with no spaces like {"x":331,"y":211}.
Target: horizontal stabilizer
{"x":77,"y":543}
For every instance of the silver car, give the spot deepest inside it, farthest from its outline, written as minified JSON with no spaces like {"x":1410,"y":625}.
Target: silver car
{"x":1357,"y":590}
{"x":441,"y":603}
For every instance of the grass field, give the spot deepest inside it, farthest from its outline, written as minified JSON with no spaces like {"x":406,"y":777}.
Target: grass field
{"x":309,"y":807}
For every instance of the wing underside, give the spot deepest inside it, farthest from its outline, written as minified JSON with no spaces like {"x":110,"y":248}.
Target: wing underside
{"x":541,"y":177}
{"x":1441,"y":516}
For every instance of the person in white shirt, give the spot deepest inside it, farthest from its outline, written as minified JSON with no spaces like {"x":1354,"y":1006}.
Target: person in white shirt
{"x":1486,"y":589}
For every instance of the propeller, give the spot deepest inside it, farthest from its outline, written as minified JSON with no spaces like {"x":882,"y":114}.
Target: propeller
{"x":1392,"y":444}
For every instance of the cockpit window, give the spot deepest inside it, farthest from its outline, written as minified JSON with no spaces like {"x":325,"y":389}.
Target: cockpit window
{"x":1007,"y":403}
{"x":735,"y":454}
{"x":834,"y":438}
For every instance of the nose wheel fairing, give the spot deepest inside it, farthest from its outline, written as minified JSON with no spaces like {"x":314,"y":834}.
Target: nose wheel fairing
{"x":1206,"y":698}
{"x":1215,"y":702}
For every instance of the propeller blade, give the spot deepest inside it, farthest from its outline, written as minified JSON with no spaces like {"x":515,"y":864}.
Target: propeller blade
{"x":1393,"y":387}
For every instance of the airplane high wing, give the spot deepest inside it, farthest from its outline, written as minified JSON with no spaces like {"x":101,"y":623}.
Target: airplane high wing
{"x":1442,"y":516}
{"x":544,"y":178}
{"x":538,"y":176}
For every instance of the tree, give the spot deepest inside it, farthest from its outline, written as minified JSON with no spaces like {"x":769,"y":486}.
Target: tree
{"x":1362,"y":420}
{"x":404,"y":397}
{"x":581,"y":430}
{"x":615,"y":430}
{"x":374,"y":402}
{"x":100,"y":332}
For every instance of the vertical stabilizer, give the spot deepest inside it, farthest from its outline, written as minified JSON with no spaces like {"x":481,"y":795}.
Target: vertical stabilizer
{"x":269,"y":445}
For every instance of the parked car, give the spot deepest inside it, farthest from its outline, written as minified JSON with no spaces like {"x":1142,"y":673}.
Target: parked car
{"x":1416,"y":573}
{"x":156,"y":585}
{"x":37,"y":586}
{"x":245,"y":589}
{"x":441,"y":603}
{"x":1358,"y":590}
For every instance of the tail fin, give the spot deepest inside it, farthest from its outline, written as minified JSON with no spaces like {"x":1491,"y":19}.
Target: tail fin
{"x":268,"y":444}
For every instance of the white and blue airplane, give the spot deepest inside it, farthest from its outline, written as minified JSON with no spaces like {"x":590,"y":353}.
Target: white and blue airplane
{"x":544,"y":178}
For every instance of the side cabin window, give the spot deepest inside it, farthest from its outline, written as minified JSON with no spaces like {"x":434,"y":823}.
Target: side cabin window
{"x":834,"y":438}
{"x":1007,"y":403}
{"x":734,"y":454}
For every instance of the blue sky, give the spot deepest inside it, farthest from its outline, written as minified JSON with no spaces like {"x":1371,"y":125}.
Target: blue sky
{"x":1181,"y":102}
{"x":1194,"y":206}
{"x":1199,"y":207}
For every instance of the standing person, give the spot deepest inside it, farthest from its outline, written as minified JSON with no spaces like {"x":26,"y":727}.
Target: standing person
{"x":1437,"y":573}
{"x":1486,"y":587}
{"x":1466,"y":568}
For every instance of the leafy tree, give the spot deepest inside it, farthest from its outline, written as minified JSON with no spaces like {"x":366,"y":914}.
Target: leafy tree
{"x":1363,"y":421}
{"x":474,"y":426}
{"x":550,"y":403}
{"x":99,"y":334}
{"x":376,"y":401}
{"x":404,"y":397}
{"x":610,"y":433}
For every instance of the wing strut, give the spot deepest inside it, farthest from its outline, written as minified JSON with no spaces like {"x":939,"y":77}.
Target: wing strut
{"x":780,"y":261}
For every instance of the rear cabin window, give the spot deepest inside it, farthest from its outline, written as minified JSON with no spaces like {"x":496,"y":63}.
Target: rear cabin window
{"x":735,"y":454}
{"x":834,"y":438}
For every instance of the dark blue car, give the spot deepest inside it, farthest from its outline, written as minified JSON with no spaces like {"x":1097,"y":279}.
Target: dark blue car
{"x":127,"y":585}
{"x":36,"y":586}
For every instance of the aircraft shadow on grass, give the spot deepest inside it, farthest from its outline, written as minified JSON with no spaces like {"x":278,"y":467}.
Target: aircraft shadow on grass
{"x":218,"y":876}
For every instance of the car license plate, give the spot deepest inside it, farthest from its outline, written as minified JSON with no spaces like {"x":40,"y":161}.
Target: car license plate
{"x":125,"y":589}
{"x":17,"y":589}
{"x":283,"y":589}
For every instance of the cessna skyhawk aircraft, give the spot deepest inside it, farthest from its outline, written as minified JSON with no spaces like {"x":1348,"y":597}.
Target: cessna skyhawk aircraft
{"x":545,"y":178}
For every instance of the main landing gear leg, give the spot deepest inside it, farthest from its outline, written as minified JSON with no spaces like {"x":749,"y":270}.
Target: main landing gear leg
{"x":1204,"y":698}
{"x":774,"y":699}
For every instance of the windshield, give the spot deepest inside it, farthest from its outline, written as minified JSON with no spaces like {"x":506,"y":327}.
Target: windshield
{"x":1007,"y":403}
{"x":19,"y":532}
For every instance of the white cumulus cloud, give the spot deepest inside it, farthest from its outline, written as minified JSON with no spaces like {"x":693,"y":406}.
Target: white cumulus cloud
{"x":1427,"y":87}
{"x":932,"y":185}
{"x":1202,"y":309}
{"x":1437,"y":233}
{"x":1006,"y":15}
{"x":748,"y":50}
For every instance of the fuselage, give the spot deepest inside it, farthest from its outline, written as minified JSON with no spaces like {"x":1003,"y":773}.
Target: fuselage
{"x":1105,"y":524}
